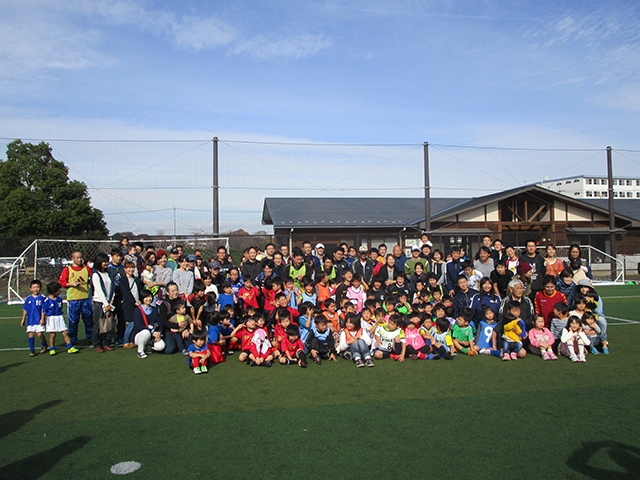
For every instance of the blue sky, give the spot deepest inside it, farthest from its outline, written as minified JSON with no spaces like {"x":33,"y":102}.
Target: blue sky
{"x":561,"y":74}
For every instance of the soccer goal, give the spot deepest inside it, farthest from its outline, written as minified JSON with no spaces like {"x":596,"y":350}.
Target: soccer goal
{"x":44,"y":259}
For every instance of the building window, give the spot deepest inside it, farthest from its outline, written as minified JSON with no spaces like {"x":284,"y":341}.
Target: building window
{"x":576,"y":180}
{"x":589,"y":194}
{"x":559,"y":183}
{"x":629,"y":182}
{"x":637,"y":194}
{"x":637,"y":183}
{"x":604,"y":181}
{"x":576,"y":193}
{"x":605,"y":194}
{"x":629,"y":194}
{"x":589,"y":181}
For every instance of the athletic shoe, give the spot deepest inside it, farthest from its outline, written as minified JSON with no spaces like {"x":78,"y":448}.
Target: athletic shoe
{"x":582,"y":358}
{"x":252,"y":363}
{"x":73,"y":350}
{"x":574,"y":358}
{"x":267,"y":364}
{"x":204,"y":369}
{"x":142,"y":355}
{"x":317,"y":360}
{"x":552,"y":356}
{"x":545,"y":356}
{"x":108,"y":348}
{"x":347,"y":355}
{"x":44,"y":349}
{"x":594,"y":350}
{"x":32,"y":353}
{"x":430,"y":356}
{"x":605,"y":350}
{"x":413,"y":356}
{"x":230,"y":352}
{"x":393,"y":356}
{"x":197,"y":371}
{"x":506,"y":357}
{"x":514,"y":356}
{"x":185,"y":353}
{"x":359,"y":363}
{"x":52,"y":352}
{"x":369,"y":363}
{"x":302,"y":365}
{"x":485,"y":351}
{"x":98,"y":350}
{"x":129,"y":345}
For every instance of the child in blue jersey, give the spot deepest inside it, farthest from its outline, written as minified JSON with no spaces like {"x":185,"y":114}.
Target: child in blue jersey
{"x":226,"y":297}
{"x":52,"y":308}
{"x":198,"y":353}
{"x":484,"y":334}
{"x":320,"y":341}
{"x":442,"y":342}
{"x":308,"y":293}
{"x":307,"y":314}
{"x":33,"y":318}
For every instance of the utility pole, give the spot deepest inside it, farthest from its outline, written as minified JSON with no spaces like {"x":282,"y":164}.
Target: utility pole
{"x":612,"y":218}
{"x":216,"y":187}
{"x":427,"y":190}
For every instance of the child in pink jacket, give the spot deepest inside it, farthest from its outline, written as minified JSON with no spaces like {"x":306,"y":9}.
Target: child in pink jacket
{"x":541,"y":339}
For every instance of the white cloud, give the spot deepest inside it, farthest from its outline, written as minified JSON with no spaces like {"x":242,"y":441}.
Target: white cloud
{"x":301,"y":46}
{"x":201,"y":33}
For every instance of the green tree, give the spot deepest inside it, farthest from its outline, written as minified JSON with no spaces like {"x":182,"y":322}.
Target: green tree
{"x":39,"y":200}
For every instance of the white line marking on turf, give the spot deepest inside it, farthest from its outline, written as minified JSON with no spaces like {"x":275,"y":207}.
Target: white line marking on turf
{"x":624,"y":320}
{"x":624,"y":296}
{"x":123,"y":468}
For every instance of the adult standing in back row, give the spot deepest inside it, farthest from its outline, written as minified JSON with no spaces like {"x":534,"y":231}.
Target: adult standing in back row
{"x":538,"y":267}
{"x":75,"y":278}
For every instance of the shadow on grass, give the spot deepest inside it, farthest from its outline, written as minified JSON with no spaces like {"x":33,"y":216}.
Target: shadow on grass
{"x":627,"y":457}
{"x":40,"y":463}
{"x":4,"y":368}
{"x":12,"y":421}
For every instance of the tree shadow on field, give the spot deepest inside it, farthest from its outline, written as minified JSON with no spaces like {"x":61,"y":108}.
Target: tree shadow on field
{"x":625,"y":456}
{"x":40,"y":463}
{"x":4,"y":368}
{"x":12,"y":421}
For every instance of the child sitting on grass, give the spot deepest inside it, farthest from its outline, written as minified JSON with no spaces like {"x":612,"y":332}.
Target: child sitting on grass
{"x":390,"y":340}
{"x":484,"y":334}
{"x":462,"y":333}
{"x":261,"y":349}
{"x":541,"y":339}
{"x":243,"y":334}
{"x":511,"y":342}
{"x":198,"y":353}
{"x":442,"y":342}
{"x":417,"y":346}
{"x":320,"y":343}
{"x":592,"y":330}
{"x":355,"y":342}
{"x":574,"y":339}
{"x":292,"y":349}
{"x":52,"y":309}
{"x":33,"y":317}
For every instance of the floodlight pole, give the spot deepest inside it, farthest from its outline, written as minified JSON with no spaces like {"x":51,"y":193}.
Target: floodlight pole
{"x":427,"y":190}
{"x":216,"y":187}
{"x":612,"y":217}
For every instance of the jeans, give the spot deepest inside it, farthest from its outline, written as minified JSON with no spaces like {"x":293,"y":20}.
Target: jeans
{"x":508,"y":347}
{"x":128,"y":333}
{"x":359,"y":349}
{"x":76,"y":309}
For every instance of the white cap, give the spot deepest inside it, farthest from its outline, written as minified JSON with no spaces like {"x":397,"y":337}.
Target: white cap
{"x":320,"y":245}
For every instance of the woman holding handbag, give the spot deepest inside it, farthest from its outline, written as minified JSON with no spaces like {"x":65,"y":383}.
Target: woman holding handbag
{"x":104,"y":323}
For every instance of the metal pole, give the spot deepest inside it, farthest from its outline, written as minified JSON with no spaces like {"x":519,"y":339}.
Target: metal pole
{"x":216,"y":186}
{"x":427,"y":190}
{"x":174,"y":225}
{"x":612,"y":217}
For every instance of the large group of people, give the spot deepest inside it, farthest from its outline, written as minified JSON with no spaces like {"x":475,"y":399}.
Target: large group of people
{"x":314,"y":304}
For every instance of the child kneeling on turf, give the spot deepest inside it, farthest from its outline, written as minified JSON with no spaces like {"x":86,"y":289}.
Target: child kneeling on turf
{"x":52,"y":308}
{"x":390,"y":340}
{"x":320,"y":342}
{"x":198,"y":353}
{"x":572,"y":339}
{"x":292,"y":349}
{"x":541,"y":339}
{"x":462,"y":333}
{"x":355,"y":342}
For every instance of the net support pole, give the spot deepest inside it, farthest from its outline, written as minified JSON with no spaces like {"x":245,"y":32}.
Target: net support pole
{"x":612,"y":218}
{"x":427,"y":190}
{"x":216,"y":187}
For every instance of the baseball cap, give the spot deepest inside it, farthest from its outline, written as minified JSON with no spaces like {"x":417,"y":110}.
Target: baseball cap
{"x":215,"y":264}
{"x":319,"y":245}
{"x":415,"y":248}
{"x":160,"y":253}
{"x":584,"y":282}
{"x":191,"y":257}
{"x":175,"y":251}
{"x":363,"y":249}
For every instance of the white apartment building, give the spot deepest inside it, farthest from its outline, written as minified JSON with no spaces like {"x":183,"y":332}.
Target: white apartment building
{"x":594,"y":187}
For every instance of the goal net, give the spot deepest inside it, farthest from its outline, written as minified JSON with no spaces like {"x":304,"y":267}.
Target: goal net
{"x":44,"y":259}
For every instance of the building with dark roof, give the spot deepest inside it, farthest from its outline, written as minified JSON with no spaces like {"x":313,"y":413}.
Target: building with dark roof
{"x":513,"y":215}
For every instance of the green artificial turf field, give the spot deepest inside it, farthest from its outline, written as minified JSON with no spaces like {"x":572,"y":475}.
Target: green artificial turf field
{"x":74,"y":416}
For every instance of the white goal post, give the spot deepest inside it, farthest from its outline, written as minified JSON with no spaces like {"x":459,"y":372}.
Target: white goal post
{"x":44,"y":259}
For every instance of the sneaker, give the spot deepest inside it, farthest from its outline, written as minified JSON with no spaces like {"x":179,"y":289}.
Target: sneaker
{"x":267,"y":364}
{"x":574,"y":358}
{"x":514,"y":356}
{"x":506,"y":357}
{"x":197,"y":371}
{"x":230,"y":352}
{"x":142,"y":355}
{"x":302,"y":365}
{"x":393,"y":356}
{"x":44,"y":349}
{"x":605,"y":350}
{"x":347,"y":355}
{"x":32,"y":353}
{"x":73,"y":350}
{"x":252,"y":363}
{"x":545,"y":356}
{"x":52,"y":352}
{"x":485,"y":351}
{"x":430,"y":356}
{"x":413,"y":356}
{"x":582,"y":358}
{"x":204,"y":369}
{"x":594,"y":350}
{"x":359,"y":363}
{"x":185,"y":353}
{"x":317,"y":360}
{"x":369,"y":363}
{"x":552,"y":356}
{"x":98,"y":350}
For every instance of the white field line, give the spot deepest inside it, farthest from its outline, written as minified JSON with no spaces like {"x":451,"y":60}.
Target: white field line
{"x":623,"y":296}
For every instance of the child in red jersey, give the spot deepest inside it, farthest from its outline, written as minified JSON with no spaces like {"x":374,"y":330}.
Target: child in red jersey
{"x":280,"y":331}
{"x":249,"y":294}
{"x":199,"y":354}
{"x":261,"y":349}
{"x":243,"y":334}
{"x":292,"y":348}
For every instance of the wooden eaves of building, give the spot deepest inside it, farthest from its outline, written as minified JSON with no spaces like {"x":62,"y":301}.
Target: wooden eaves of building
{"x":513,"y":215}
